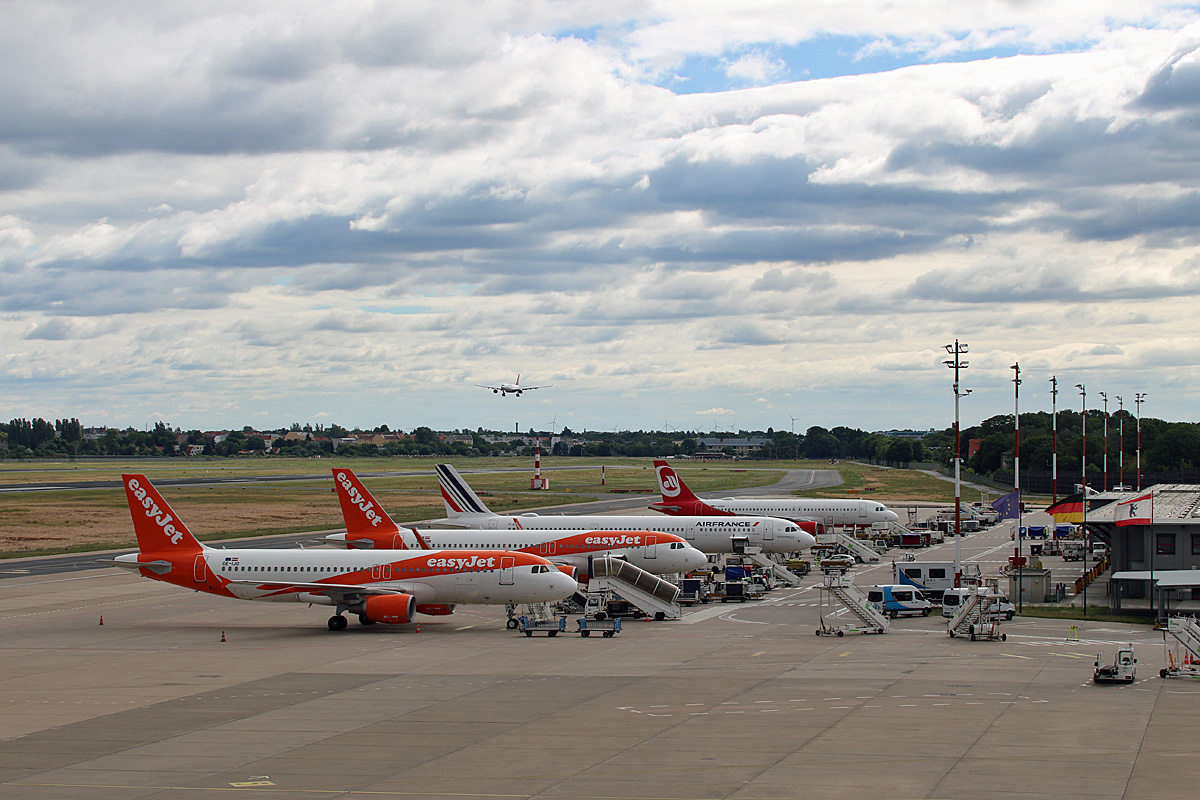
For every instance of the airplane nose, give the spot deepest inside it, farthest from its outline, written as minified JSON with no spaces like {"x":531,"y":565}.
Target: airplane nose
{"x":805,"y":539}
{"x":892,"y":516}
{"x":562,"y":585}
{"x":696,"y":559}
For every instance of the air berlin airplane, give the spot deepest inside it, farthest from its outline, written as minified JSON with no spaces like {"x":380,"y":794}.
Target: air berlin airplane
{"x":678,"y":499}
{"x":385,"y":586}
{"x":369,"y":526}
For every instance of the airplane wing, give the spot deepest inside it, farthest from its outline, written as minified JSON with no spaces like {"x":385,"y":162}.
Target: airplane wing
{"x":531,"y":388}
{"x":335,"y":591}
{"x":485,"y":386}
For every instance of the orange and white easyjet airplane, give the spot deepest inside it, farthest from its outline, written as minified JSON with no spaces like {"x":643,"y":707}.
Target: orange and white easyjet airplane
{"x":369,"y":526}
{"x":678,"y":500}
{"x":385,"y":586}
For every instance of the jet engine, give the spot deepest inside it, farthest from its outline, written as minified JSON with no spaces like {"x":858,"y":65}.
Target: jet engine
{"x":391,"y":609}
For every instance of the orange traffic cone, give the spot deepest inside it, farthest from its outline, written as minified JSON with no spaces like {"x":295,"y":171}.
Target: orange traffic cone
{"x":222,"y":636}
{"x":101,"y":619}
{"x":418,"y":627}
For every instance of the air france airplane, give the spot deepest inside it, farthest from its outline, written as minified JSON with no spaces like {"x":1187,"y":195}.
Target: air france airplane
{"x":678,"y":499}
{"x":386,"y":586}
{"x":707,"y":534}
{"x":368,"y":526}
{"x":505,"y":389}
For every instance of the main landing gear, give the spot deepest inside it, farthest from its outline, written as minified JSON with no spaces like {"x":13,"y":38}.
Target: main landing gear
{"x":337,"y":623}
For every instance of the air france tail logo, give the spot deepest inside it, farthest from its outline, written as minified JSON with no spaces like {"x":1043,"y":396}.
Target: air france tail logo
{"x":365,"y":505}
{"x":614,"y":541}
{"x":462,"y":563}
{"x":154,"y":512}
{"x":668,"y":481}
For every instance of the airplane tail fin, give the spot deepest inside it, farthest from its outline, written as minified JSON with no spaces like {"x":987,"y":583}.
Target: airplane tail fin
{"x":360,"y":511}
{"x":671,"y":486}
{"x":457,"y":495}
{"x":159,"y":529}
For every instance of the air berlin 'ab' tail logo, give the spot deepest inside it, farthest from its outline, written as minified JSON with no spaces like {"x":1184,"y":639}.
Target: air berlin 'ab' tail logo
{"x":668,"y":482}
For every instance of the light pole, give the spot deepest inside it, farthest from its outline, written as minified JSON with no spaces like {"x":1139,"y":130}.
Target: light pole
{"x":1054,"y":437}
{"x":957,"y":364}
{"x":1017,"y":472}
{"x":1083,"y":496}
{"x":1104,"y":397}
{"x":1121,"y":441}
{"x":1138,"y":399}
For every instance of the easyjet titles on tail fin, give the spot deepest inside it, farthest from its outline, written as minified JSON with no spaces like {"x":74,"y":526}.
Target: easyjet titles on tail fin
{"x":158,"y":528}
{"x":361,"y":511}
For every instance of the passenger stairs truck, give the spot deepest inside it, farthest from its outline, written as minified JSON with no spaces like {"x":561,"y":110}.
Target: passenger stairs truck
{"x":1183,"y":660}
{"x":841,"y":588}
{"x":972,"y":620}
{"x":861,"y":549}
{"x":782,"y":574}
{"x":657,"y":597}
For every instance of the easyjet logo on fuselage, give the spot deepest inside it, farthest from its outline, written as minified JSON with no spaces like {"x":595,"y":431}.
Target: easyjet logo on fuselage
{"x":365,"y":505}
{"x":462,"y":563}
{"x":154,"y":512}
{"x":614,"y":541}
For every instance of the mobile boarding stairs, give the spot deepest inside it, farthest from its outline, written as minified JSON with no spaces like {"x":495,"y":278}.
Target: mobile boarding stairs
{"x":844,"y":542}
{"x":742,"y":547}
{"x":840,"y":587}
{"x":657,"y":597}
{"x":973,"y":619}
{"x":1183,"y":660}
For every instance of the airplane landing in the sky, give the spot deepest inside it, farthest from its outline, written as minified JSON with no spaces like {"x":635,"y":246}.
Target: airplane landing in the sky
{"x":506,"y":389}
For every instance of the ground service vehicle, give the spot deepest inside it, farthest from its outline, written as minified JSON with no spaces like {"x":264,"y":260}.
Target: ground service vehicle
{"x":934,"y":577}
{"x":1123,"y":669}
{"x":896,"y":599}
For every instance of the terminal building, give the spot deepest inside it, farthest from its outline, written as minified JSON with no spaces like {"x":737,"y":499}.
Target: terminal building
{"x":1160,"y":562}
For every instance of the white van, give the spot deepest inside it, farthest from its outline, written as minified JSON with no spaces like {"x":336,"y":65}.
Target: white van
{"x":952,"y":599}
{"x":897,"y":599}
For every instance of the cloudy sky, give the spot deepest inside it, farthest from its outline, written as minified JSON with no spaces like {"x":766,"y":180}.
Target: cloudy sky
{"x":688,"y":214}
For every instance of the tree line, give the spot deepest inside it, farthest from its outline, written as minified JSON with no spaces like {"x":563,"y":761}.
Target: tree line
{"x":1164,"y":445}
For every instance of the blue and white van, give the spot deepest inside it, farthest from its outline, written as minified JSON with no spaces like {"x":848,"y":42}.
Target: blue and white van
{"x":896,"y":599}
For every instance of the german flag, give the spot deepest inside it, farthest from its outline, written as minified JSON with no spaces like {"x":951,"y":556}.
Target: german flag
{"x":1069,"y":509}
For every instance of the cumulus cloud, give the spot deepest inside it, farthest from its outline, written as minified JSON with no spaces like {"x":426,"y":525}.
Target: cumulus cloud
{"x":398,"y":198}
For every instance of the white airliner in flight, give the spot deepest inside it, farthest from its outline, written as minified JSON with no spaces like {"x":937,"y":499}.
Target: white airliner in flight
{"x":506,"y":389}
{"x":369,"y":526}
{"x":707,"y":534}
{"x":386,"y":586}
{"x":678,"y":499}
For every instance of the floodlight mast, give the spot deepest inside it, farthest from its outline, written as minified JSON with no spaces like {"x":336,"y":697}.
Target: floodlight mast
{"x":1083,"y":497}
{"x":1104,"y":397}
{"x":957,"y":364}
{"x":1054,"y":437}
{"x":1139,"y":398}
{"x":1121,"y":442}
{"x":1020,"y":567}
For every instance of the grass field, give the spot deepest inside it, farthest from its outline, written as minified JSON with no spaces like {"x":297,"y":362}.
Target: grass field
{"x":93,"y":519}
